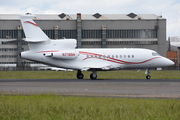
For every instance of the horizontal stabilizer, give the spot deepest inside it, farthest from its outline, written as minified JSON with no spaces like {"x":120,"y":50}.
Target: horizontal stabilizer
{"x":34,"y":40}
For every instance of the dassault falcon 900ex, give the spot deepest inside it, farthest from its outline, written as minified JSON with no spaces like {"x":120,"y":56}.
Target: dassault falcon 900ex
{"x":63,"y":53}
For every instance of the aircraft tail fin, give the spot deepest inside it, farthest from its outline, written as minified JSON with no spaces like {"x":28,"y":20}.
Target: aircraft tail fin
{"x":32,"y":31}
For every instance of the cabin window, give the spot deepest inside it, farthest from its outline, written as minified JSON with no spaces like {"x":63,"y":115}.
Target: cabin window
{"x":112,"y":56}
{"x":91,"y":56}
{"x":116,"y":56}
{"x":120,"y":56}
{"x":132,"y":56}
{"x":124,"y":56}
{"x":128,"y":56}
{"x":87,"y":56}
{"x":99,"y":56}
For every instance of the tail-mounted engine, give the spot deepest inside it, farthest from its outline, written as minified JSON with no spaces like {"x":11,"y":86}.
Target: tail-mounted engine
{"x":65,"y":54}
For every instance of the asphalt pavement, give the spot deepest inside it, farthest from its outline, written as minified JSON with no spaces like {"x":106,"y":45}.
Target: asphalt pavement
{"x":156,"y":88}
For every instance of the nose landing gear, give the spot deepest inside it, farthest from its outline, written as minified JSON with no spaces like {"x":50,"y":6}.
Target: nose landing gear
{"x":148,"y":77}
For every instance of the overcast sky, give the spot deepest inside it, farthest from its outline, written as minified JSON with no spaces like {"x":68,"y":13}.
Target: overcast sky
{"x":169,"y":9}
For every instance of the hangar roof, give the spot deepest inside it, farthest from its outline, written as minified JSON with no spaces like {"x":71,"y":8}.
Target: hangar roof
{"x":96,"y":16}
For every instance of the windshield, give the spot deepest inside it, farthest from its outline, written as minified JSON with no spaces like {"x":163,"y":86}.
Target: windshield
{"x":155,"y":54}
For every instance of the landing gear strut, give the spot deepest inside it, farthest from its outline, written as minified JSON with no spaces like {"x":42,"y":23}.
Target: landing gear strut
{"x":93,"y":74}
{"x":79,"y":75}
{"x":148,"y":77}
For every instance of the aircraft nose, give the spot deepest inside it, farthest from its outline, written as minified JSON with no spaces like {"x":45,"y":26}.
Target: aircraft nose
{"x":172,"y":63}
{"x":169,"y":62}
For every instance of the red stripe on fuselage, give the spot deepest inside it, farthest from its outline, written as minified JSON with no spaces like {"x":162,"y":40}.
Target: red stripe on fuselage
{"x":30,"y":23}
{"x":113,"y":59}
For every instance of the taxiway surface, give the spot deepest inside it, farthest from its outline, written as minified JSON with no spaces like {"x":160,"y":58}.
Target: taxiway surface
{"x":165,"y":88}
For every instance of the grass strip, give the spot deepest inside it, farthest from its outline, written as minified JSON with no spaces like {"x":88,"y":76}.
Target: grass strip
{"x":124,"y":74}
{"x":50,"y":106}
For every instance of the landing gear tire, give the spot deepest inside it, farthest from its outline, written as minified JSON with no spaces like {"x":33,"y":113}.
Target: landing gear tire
{"x":93,"y":76}
{"x":80,"y":76}
{"x":148,"y":77}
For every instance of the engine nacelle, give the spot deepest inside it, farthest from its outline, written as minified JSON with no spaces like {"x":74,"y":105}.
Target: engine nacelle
{"x":65,"y":54}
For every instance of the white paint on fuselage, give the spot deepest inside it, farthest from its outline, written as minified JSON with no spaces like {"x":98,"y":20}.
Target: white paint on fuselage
{"x":143,"y":58}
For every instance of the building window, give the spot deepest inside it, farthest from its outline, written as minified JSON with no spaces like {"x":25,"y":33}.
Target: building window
{"x":49,"y":33}
{"x":9,"y":49}
{"x":8,"y":56}
{"x":89,"y":34}
{"x":91,"y":42}
{"x":8,"y":34}
{"x":130,"y":42}
{"x":67,"y":34}
{"x":131,"y":34}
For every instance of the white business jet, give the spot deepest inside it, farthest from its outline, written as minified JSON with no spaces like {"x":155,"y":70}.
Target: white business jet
{"x":63,"y":54}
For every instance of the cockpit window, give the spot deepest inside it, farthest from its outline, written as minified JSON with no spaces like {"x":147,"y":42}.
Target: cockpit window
{"x":155,"y":54}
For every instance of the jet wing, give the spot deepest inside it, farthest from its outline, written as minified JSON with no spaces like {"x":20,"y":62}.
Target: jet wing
{"x":109,"y":67}
{"x":103,"y":68}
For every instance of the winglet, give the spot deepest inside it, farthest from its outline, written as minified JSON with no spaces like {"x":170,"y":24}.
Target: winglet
{"x":32,"y":30}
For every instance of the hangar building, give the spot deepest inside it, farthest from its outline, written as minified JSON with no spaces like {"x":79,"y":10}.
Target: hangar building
{"x":173,"y":52}
{"x":91,"y":31}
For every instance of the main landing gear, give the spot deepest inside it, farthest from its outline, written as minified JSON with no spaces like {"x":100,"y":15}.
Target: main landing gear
{"x":79,"y":75}
{"x":92,"y":76}
{"x":148,"y":77}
